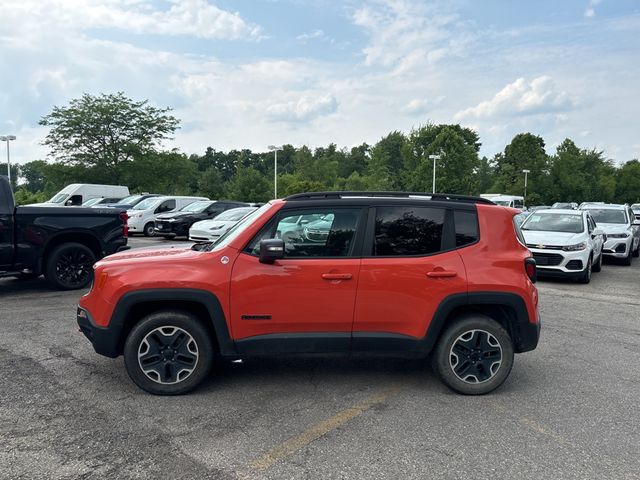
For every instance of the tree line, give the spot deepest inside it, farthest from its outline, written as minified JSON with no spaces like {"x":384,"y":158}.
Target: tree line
{"x":112,"y":139}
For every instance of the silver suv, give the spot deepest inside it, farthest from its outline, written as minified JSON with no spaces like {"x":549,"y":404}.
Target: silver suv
{"x":620,"y":227}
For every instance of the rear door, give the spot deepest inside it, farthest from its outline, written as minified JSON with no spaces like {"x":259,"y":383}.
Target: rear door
{"x":308,"y":297}
{"x":411,"y":267}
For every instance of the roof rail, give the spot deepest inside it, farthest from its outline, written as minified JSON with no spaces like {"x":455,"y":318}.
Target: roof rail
{"x":425,"y":195}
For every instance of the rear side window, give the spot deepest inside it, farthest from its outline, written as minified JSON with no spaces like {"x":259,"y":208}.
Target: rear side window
{"x":466,"y":223}
{"x":407,"y":231}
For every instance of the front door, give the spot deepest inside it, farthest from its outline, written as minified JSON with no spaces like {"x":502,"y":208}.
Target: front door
{"x":308,"y":297}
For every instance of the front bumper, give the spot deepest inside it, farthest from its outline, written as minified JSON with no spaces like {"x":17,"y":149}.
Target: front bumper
{"x":105,"y":341}
{"x":560,"y":264}
{"x":203,"y":235}
{"x":170,"y":228}
{"x":617,"y":247}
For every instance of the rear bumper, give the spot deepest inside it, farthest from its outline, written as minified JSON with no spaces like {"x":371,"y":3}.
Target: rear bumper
{"x":105,"y":341}
{"x":528,"y":335}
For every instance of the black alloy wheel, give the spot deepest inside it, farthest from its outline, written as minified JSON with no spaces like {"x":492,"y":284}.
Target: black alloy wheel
{"x":70,"y":266}
{"x":586,"y":276}
{"x":474,"y":355}
{"x":168,"y":353}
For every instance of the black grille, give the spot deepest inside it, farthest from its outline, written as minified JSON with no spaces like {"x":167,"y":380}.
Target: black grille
{"x":574,"y":265}
{"x":548,"y":259}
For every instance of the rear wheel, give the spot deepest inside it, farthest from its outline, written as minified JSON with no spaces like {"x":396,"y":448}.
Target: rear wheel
{"x":148,"y":230}
{"x":168,"y":353}
{"x":474,"y":356}
{"x":70,"y":266}
{"x":586,"y":276}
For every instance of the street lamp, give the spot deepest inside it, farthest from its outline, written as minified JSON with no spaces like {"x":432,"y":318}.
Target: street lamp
{"x":434,"y":158}
{"x":275,"y":150}
{"x":8,"y":138}
{"x":526,"y":172}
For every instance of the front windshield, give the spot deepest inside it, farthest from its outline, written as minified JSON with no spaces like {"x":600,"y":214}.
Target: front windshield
{"x":91,"y":201}
{"x":196,"y":207}
{"x":608,"y":215}
{"x":59,"y":198}
{"x":234,"y":214}
{"x":635,"y":206}
{"x":554,"y":222}
{"x":146,"y":204}
{"x":240,"y":227}
{"x":130,"y":200}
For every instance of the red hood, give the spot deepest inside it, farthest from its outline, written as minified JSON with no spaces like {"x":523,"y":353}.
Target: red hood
{"x":149,"y":255}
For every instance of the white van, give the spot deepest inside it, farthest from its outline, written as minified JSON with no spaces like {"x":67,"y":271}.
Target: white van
{"x":143,"y":215}
{"x":78,"y":193}
{"x":512,"y":201}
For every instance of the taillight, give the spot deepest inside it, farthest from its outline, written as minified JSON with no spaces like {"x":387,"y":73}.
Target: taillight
{"x":531,"y":269}
{"x":125,"y":223}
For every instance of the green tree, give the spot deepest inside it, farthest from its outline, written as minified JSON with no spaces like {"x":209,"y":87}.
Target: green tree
{"x":106,"y":131}
{"x":628,"y":182}
{"x":525,"y":152}
{"x":249,"y":185}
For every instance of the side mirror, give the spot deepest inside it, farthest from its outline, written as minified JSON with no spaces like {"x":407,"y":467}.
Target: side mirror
{"x":598,"y":231}
{"x":271,"y":250}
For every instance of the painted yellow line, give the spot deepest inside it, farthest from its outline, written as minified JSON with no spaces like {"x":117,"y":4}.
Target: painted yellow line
{"x":294,"y":444}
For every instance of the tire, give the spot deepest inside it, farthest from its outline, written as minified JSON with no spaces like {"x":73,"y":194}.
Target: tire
{"x":597,"y":267}
{"x":627,"y":260}
{"x":636,"y":252}
{"x":493,"y":339}
{"x":148,"y":230}
{"x":174,"y":370}
{"x":70,"y":266}
{"x":586,"y":276}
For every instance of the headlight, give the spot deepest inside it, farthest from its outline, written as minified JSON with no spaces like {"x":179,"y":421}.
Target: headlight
{"x":575,"y":248}
{"x":617,"y":235}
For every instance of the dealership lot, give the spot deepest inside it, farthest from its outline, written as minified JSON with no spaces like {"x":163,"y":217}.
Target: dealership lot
{"x":569,"y":410}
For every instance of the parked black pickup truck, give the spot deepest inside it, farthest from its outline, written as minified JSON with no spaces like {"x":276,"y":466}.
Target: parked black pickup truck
{"x":60,"y":242}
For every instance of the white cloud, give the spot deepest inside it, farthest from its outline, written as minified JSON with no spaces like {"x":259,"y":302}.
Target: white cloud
{"x":197,"y":18}
{"x":590,"y":11}
{"x":405,"y":35}
{"x":521,"y":98}
{"x":311,"y":35}
{"x":304,"y":109}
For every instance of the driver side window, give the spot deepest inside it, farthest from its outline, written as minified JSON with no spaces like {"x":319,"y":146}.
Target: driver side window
{"x":312,"y":234}
{"x":166,"y":206}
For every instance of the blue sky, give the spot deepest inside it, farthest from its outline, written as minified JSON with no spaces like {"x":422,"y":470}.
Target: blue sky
{"x":249,"y":73}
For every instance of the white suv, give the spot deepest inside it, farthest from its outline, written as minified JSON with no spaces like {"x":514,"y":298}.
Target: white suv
{"x":621,"y":229}
{"x":564,"y":243}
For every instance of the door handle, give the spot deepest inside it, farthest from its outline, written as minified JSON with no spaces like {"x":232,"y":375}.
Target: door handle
{"x":441,"y":274}
{"x":336,"y":276}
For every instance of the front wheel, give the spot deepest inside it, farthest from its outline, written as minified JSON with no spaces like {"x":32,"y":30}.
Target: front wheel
{"x":586,"y":276}
{"x":474,"y":355}
{"x":70,"y":266}
{"x":148,"y":230}
{"x":636,"y":252}
{"x":598,"y":265}
{"x":627,"y":260}
{"x":168,"y":353}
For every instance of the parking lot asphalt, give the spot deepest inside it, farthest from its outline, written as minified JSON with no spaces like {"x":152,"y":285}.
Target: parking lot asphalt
{"x":570,"y":409}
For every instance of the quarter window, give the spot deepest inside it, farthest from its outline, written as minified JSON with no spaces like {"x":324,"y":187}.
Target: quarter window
{"x":406,"y":231}
{"x":466,"y":227}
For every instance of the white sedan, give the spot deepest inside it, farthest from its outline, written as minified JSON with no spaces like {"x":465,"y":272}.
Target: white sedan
{"x":564,"y":243}
{"x":212,"y":230}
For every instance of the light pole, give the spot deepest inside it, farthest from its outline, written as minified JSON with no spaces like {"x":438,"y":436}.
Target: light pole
{"x":275,"y":151}
{"x":526,"y":172}
{"x":8,"y":138}
{"x":434,"y":158}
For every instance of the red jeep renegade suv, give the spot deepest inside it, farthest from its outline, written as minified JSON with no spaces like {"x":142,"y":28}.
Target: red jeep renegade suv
{"x":336,"y":272}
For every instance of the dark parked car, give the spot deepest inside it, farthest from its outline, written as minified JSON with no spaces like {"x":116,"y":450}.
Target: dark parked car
{"x":177,"y":224}
{"x":61,"y":243}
